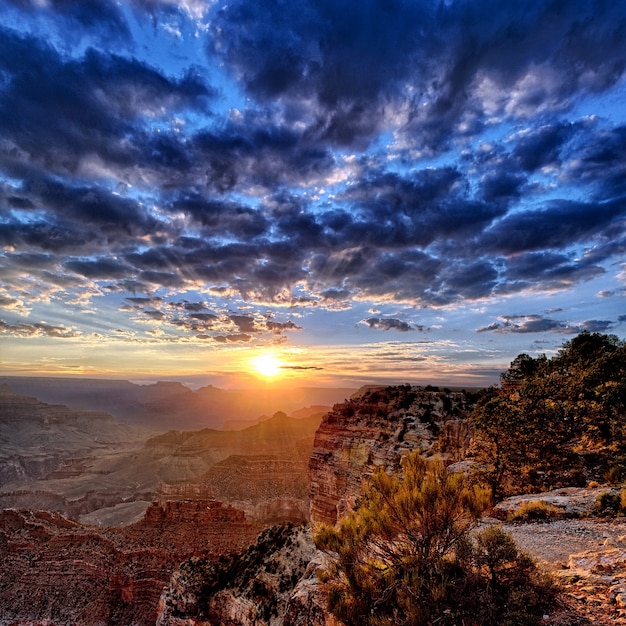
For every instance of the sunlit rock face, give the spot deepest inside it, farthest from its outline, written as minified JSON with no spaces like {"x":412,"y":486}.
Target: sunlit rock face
{"x":375,"y":428}
{"x":275,"y":582}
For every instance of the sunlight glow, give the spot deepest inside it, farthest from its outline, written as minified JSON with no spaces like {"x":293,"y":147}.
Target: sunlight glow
{"x":266,"y":365}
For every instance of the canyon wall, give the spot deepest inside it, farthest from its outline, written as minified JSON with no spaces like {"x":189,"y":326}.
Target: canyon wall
{"x":375,"y":429}
{"x":56,"y":571}
{"x":42,"y":440}
{"x":275,"y":582}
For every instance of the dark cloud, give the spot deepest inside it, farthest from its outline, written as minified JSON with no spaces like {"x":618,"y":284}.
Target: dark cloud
{"x":597,"y":326}
{"x":601,"y":163}
{"x":499,"y":186}
{"x":258,"y":149}
{"x":540,"y":324}
{"x":99,"y":268}
{"x":333,"y":294}
{"x":280,"y":327}
{"x":99,"y":18}
{"x":194,"y":306}
{"x":204,"y":317}
{"x":234,"y":338}
{"x":223,"y":218}
{"x":542,"y":147}
{"x":245,"y":323}
{"x":559,"y":224}
{"x":155,"y":315}
{"x":463,"y":60}
{"x":390,"y":323}
{"x":73,"y":110}
{"x":7,"y":302}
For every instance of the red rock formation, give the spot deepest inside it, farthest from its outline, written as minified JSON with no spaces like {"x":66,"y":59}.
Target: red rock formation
{"x":376,"y":429}
{"x":57,"y":569}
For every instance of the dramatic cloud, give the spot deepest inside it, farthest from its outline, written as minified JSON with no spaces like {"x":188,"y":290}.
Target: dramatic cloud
{"x":38,"y":329}
{"x":538,"y":323}
{"x":229,"y":172}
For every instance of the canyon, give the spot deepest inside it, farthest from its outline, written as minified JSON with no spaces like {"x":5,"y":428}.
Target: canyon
{"x":93,"y":468}
{"x":374,"y":428}
{"x":224,"y":534}
{"x":58,"y":571}
{"x":162,"y":406}
{"x":92,"y":533}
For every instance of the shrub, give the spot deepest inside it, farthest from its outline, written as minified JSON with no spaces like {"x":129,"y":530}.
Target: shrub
{"x":534,"y":510}
{"x":406,"y":556}
{"x":615,"y":475}
{"x":608,"y":503}
{"x":564,"y":417}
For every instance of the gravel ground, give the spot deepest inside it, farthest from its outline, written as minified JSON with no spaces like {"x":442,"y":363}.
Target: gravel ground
{"x":553,"y":542}
{"x":592,"y":594}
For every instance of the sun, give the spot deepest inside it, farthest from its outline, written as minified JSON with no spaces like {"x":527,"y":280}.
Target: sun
{"x":266,"y":365}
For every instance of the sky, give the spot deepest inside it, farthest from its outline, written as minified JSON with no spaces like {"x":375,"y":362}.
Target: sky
{"x":371,"y":191}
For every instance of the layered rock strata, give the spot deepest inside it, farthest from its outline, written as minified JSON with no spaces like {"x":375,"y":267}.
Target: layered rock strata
{"x":42,"y":440}
{"x":376,"y":428}
{"x":263,"y":586}
{"x":54,"y":570}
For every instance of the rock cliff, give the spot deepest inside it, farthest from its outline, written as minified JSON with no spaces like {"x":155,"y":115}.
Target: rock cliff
{"x":267,"y":584}
{"x":275,"y":582}
{"x":55,"y":569}
{"x":376,"y":428}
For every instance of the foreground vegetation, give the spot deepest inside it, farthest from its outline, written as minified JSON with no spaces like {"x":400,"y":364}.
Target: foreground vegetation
{"x":411,"y":554}
{"x":407,"y":556}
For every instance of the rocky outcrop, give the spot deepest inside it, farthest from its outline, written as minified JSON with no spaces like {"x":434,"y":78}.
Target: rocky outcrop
{"x":307,"y":603}
{"x":55,"y":569}
{"x":375,"y":429}
{"x":564,"y":502}
{"x":253,"y":588}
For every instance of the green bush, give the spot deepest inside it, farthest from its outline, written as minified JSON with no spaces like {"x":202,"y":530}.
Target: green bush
{"x":609,"y":503}
{"x":407,"y":556}
{"x":615,"y":475}
{"x":563,"y":417}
